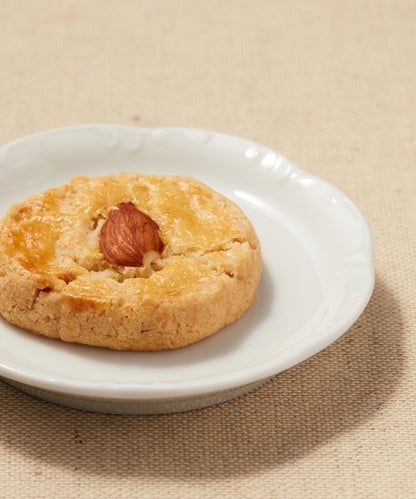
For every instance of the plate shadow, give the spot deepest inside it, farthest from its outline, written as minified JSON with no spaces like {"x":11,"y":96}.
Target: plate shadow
{"x":297,"y":411}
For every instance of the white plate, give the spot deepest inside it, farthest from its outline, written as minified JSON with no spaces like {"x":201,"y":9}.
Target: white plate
{"x":317,"y":270}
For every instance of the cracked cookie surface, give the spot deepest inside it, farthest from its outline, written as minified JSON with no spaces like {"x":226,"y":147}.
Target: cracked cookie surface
{"x":55,"y":281}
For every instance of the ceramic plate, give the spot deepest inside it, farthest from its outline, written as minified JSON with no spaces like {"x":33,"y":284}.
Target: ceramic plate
{"x":317,"y":270}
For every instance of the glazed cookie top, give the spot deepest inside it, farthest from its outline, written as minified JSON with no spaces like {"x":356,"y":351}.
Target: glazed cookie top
{"x":60,"y":237}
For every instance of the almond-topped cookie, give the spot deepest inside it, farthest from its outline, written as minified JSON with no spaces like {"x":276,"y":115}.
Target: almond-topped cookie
{"x":128,"y":262}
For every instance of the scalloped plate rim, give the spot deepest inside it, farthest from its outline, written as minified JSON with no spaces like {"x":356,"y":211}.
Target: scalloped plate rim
{"x":200,"y":387}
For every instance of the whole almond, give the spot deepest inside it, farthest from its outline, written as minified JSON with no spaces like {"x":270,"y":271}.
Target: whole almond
{"x":127,"y":235}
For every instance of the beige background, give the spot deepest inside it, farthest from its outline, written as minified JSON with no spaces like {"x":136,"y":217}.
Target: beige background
{"x":331,"y":85}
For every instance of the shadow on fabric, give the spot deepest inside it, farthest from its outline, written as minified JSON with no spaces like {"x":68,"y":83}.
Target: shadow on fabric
{"x":296,"y":412}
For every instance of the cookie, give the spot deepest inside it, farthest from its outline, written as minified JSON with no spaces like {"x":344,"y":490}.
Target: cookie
{"x":127,"y":262}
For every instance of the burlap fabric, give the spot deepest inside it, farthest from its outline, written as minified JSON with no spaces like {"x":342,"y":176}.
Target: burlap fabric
{"x":331,"y":85}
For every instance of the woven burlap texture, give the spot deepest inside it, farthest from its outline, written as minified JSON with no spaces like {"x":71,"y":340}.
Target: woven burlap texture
{"x":332,"y":86}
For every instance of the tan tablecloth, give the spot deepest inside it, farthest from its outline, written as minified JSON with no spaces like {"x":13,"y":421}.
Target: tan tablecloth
{"x":331,"y":85}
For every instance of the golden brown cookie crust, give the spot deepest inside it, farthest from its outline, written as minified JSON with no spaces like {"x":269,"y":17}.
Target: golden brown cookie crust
{"x":55,"y":281}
